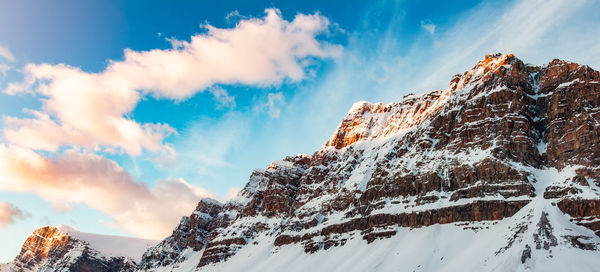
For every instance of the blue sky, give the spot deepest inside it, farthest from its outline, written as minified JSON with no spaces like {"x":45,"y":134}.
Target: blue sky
{"x":234,"y":117}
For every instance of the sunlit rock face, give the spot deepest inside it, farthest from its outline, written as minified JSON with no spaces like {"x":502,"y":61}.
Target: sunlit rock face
{"x":40,"y":244}
{"x":504,"y":138}
{"x":54,"y":249}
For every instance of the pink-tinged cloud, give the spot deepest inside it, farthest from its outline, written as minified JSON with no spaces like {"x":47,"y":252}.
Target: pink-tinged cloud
{"x":75,"y":177}
{"x":9,"y":214}
{"x":90,"y":109}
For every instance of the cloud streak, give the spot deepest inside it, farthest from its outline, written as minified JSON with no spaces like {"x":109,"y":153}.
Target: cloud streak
{"x":90,"y":109}
{"x":9,"y":214}
{"x":74,"y":178}
{"x":6,"y":54}
{"x":221,"y":96}
{"x":535,"y":31}
{"x":273,"y":104}
{"x":380,"y":65}
{"x":382,"y":70}
{"x":4,"y":68}
{"x":429,"y":27}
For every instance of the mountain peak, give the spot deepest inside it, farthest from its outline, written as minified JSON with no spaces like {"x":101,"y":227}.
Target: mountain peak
{"x":375,"y":120}
{"x":493,"y":61}
{"x":492,"y":67}
{"x":64,"y":248}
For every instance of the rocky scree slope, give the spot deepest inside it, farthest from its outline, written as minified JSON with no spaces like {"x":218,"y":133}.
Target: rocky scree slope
{"x":503,"y":138}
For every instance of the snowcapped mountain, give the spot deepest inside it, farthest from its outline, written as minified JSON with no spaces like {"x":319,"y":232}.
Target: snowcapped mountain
{"x":63,"y":248}
{"x":498,"y":172}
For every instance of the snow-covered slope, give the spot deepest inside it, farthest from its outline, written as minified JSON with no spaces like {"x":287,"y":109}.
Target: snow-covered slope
{"x":502,"y":245}
{"x":539,"y":237}
{"x":64,"y":248}
{"x":111,"y":245}
{"x":499,"y":172}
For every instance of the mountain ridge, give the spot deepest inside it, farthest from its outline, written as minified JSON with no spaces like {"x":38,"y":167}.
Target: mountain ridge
{"x":482,"y":183}
{"x":507,"y":150}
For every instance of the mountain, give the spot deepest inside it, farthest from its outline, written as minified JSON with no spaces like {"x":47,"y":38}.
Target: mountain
{"x":498,"y":172}
{"x":63,"y":248}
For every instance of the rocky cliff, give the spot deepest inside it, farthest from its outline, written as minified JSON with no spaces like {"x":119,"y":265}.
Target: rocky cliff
{"x":507,"y":143}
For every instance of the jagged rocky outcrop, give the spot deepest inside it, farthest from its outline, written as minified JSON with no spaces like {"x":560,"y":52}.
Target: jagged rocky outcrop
{"x":191,"y":234}
{"x":55,"y":249}
{"x":504,"y":140}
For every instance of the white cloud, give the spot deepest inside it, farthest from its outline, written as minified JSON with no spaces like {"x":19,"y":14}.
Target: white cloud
{"x":74,"y":178}
{"x":90,"y":109}
{"x":167,"y":157}
{"x":6,"y":54}
{"x":224,"y":99}
{"x":232,"y":193}
{"x":4,"y":68}
{"x":233,"y":16}
{"x":429,"y":27}
{"x":9,"y":214}
{"x":273,"y":104}
{"x":86,"y":122}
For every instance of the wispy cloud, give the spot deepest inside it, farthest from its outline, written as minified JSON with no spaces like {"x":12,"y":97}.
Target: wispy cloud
{"x":222,"y":97}
{"x":75,"y":178}
{"x":232,"y":193}
{"x":4,"y":68}
{"x":9,"y":214}
{"x":206,"y":143}
{"x":536,"y":31}
{"x":384,"y":66}
{"x":273,"y":104}
{"x":234,"y":16}
{"x":429,"y":27}
{"x":89,"y":109}
{"x":6,"y":54}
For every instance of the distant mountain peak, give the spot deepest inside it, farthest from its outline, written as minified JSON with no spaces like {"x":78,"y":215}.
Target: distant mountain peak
{"x":63,"y":248}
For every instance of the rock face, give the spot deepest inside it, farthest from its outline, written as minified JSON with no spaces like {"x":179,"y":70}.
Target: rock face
{"x":64,"y":249}
{"x":503,"y":138}
{"x":191,"y":234}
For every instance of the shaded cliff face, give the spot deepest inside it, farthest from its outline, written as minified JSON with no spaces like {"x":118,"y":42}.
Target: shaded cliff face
{"x":190,"y":235}
{"x":505,"y":140}
{"x":54,"y":249}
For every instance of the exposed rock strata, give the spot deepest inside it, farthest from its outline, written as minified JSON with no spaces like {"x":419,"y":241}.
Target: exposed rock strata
{"x":467,"y":153}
